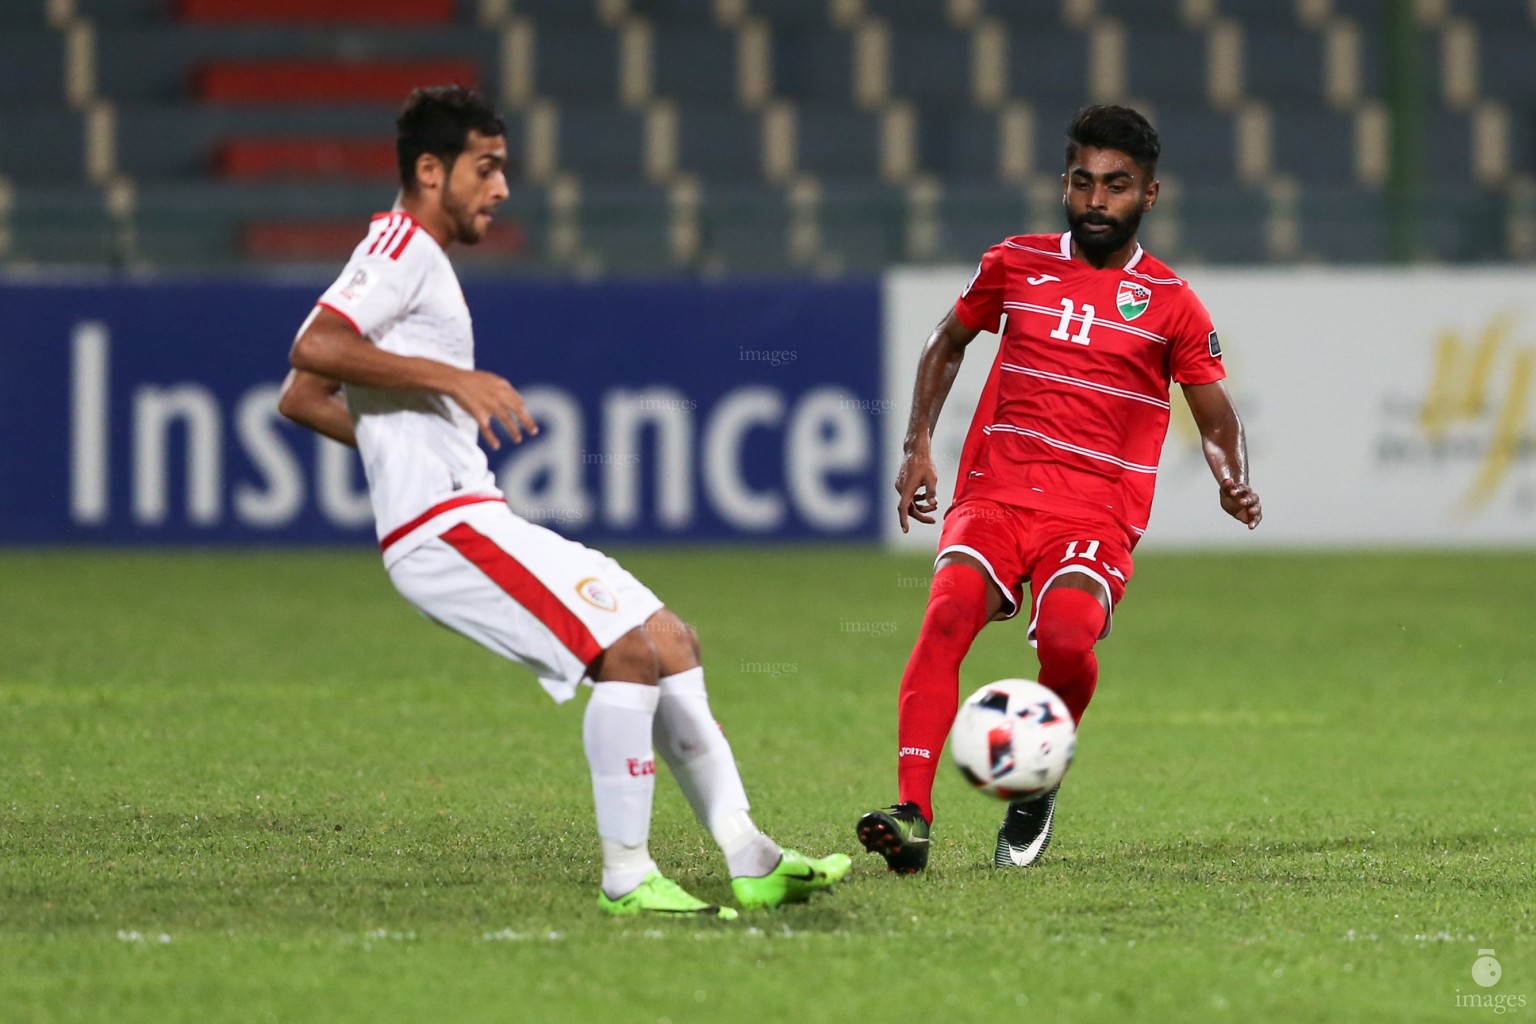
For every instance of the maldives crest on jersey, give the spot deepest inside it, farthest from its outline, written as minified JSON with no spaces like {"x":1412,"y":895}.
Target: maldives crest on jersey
{"x":1133,"y":299}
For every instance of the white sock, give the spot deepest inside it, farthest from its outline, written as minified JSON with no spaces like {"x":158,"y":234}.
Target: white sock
{"x":616,"y":732}
{"x":691,"y":743}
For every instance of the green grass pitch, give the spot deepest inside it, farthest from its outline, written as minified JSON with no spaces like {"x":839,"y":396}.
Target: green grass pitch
{"x":257,"y":787}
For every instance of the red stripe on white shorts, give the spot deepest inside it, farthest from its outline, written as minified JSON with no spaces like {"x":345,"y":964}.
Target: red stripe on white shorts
{"x":434,"y":511}
{"x":524,"y":587}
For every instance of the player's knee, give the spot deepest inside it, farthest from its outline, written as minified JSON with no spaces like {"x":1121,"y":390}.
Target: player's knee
{"x":953,"y":615}
{"x":676,"y":642}
{"x":632,"y":658}
{"x":1069,"y":625}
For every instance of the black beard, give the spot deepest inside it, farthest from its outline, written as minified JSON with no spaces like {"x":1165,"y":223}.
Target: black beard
{"x":1098,"y":248}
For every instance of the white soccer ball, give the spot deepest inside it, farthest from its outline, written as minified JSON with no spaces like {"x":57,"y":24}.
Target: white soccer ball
{"x":1013,"y":739}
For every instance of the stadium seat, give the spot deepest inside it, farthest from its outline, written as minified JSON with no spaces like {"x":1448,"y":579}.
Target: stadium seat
{"x":31,"y":65}
{"x":627,"y":227}
{"x":930,"y":14}
{"x":324,"y":81}
{"x":807,"y":13}
{"x":1447,"y":147}
{"x":744,"y":228}
{"x":1223,"y":225}
{"x":138,"y":62}
{"x":307,"y":158}
{"x":63,"y":224}
{"x":813,"y":65}
{"x":345,"y":11}
{"x":1285,"y":64}
{"x":960,"y":144}
{"x":1048,"y":67}
{"x":1167,"y":64}
{"x":117,"y":12}
{"x":201,"y":223}
{"x":601,"y":143}
{"x":42,"y":142}
{"x":1505,"y":66}
{"x":838,"y":143}
{"x":1344,"y":224}
{"x":863,"y":227}
{"x":1159,"y":14}
{"x":720,"y":142}
{"x":974,"y":216}
{"x":1199,"y":144}
{"x":576,"y":62}
{"x":1495,"y":15}
{"x":1461,"y":224}
{"x":1314,"y":145}
{"x":170,"y":140}
{"x":931,"y":64}
{"x":676,"y":12}
{"x":695,"y":62}
{"x":1263,"y":14}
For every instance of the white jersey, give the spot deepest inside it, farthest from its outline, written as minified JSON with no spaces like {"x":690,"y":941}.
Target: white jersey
{"x":420,"y":451}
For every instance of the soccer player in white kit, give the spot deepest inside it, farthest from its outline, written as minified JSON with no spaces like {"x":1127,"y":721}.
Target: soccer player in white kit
{"x":385,"y":362}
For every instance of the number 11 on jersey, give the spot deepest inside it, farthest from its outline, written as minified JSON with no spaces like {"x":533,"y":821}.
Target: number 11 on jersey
{"x":1068,"y":311}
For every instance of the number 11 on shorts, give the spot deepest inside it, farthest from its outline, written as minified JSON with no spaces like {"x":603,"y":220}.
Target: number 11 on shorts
{"x":1089,"y":552}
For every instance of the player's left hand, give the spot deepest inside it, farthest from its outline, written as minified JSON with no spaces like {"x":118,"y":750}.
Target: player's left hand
{"x":1241,"y":502}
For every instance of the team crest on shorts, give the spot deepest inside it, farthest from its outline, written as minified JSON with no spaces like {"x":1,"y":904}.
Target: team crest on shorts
{"x":596,"y":593}
{"x":1133,"y":299}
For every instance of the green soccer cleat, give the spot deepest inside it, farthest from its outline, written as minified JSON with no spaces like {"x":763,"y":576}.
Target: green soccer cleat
{"x":794,"y":880}
{"x":659,"y":896}
{"x":899,"y":834}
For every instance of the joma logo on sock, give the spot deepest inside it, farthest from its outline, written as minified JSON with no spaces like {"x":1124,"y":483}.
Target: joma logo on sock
{"x":638,"y":767}
{"x":915,"y":752}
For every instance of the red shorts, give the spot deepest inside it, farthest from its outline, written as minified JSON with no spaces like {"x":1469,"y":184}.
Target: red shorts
{"x":1019,"y":545}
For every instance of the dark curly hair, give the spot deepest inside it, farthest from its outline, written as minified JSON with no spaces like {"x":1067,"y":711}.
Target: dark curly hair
{"x":437,"y":119}
{"x":1121,"y":128}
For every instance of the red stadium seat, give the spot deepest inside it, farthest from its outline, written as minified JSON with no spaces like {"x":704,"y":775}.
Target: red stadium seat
{"x":316,"y":81}
{"x":306,"y":158}
{"x":362,"y":11}
{"x":331,"y":241}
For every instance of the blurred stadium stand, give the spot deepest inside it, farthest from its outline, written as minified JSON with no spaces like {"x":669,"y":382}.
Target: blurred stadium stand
{"x":767,"y":136}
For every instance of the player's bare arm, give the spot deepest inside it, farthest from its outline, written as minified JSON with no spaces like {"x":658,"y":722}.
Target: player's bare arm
{"x":330,"y":347}
{"x":1226,"y":449}
{"x":917,"y":481}
{"x":316,"y":402}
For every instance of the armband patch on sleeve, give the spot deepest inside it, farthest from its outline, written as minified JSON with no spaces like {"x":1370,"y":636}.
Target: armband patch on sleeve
{"x":1215,"y":345}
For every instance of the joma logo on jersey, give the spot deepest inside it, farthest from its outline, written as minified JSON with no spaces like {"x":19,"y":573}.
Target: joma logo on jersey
{"x":1132,"y":299}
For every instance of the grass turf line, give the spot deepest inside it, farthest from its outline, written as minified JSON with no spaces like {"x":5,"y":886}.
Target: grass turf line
{"x":259,"y":787}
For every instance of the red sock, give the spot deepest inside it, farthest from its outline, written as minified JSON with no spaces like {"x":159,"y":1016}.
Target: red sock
{"x":1070,"y":623}
{"x":930,"y":687}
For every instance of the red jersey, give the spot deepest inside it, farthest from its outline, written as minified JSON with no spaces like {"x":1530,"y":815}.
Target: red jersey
{"x":1074,"y":413}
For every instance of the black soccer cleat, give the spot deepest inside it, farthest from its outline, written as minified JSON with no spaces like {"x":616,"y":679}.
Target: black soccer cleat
{"x":899,"y":834}
{"x":1025,"y":831}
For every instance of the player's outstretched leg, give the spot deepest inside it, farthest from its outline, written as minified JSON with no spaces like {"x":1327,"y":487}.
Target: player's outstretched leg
{"x":695,"y":749}
{"x":616,"y":733}
{"x":1025,"y":831}
{"x":930,"y":694}
{"x":1069,"y":625}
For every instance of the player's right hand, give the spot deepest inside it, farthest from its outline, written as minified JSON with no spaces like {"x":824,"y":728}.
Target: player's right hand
{"x":918,"y":484}
{"x":490,"y":399}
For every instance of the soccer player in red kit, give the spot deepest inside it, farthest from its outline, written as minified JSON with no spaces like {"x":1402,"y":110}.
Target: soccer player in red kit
{"x":1056,"y":476}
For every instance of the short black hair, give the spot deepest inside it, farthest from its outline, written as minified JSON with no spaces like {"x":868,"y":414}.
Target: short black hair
{"x":437,"y":119}
{"x":1121,"y":128}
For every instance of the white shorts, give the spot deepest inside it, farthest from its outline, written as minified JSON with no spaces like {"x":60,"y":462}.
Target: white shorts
{"x":525,"y":592}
